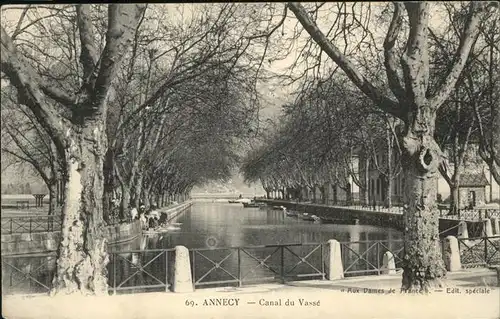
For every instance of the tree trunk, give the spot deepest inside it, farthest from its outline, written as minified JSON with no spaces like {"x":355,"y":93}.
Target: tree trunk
{"x":387,"y":190}
{"x":367,"y":181}
{"x":52,"y":197}
{"x":138,"y":191}
{"x":348,"y":194}
{"x":322,"y":190}
{"x":454,"y":198}
{"x":335,"y":194}
{"x":108,"y":172}
{"x":82,"y":256}
{"x":125,"y":202}
{"x":146,"y":197}
{"x":423,"y":266}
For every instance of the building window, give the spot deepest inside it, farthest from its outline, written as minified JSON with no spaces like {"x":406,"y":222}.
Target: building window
{"x":378,"y":186}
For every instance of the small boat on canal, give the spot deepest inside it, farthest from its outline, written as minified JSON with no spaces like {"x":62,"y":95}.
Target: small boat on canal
{"x":252,"y":204}
{"x":306,"y":216}
{"x":292,"y":213}
{"x":316,"y":219}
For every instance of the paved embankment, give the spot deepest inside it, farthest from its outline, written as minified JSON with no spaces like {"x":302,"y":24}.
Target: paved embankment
{"x":173,"y":212}
{"x":469,"y":295}
{"x":369,"y":217}
{"x":41,"y":242}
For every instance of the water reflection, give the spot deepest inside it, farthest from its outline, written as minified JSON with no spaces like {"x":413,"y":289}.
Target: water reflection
{"x":234,"y":226}
{"x":231,"y":223}
{"x":213,"y":226}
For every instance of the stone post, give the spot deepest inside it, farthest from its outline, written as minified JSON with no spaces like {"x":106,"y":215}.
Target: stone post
{"x":462,"y":230}
{"x":334,"y":267}
{"x":389,"y":264}
{"x":183,"y":281}
{"x":487,"y":231}
{"x":452,"y":254}
{"x":495,"y":225}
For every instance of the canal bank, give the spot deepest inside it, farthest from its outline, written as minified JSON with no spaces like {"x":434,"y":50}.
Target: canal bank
{"x":469,"y":294}
{"x":365,"y":216}
{"x":47,"y":242}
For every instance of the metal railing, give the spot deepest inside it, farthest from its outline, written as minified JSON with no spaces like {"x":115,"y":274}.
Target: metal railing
{"x":353,"y":204}
{"x":137,"y":271}
{"x":34,"y":224}
{"x":469,"y":214}
{"x":362,"y":258}
{"x":479,"y":251}
{"x":140,"y":270}
{"x":477,"y":214}
{"x":243,"y":265}
{"x":28,"y":273}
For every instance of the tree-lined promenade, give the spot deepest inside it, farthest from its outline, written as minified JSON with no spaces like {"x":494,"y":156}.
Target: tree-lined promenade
{"x":146,"y":101}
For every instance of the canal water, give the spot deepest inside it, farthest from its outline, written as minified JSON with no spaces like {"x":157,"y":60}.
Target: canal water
{"x":229,"y":245}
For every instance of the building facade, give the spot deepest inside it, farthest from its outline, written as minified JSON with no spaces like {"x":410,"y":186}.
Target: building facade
{"x":472,"y":190}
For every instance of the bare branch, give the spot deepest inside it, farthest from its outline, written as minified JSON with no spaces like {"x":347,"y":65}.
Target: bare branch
{"x":382,"y":101}
{"x":466,"y":42}
{"x":389,"y":54}
{"x":89,"y":54}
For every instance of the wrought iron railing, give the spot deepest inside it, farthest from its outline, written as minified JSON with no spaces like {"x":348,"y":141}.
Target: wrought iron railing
{"x":470,"y":214}
{"x":362,"y":258}
{"x":478,"y":214}
{"x":28,"y":274}
{"x":33,"y":224}
{"x":244,"y":265}
{"x":140,"y":270}
{"x":360,"y":205}
{"x":152,"y":270}
{"x":480,"y":251}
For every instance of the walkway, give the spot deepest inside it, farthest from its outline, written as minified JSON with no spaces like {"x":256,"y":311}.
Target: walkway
{"x":336,"y":299}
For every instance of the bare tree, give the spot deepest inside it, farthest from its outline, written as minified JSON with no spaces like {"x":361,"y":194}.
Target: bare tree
{"x":423,"y":266}
{"x":79,"y":138}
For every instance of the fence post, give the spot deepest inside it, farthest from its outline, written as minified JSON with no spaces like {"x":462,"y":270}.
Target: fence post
{"x":183,"y":280}
{"x":452,"y":254}
{"x":239,"y":267}
{"x":335,"y":268}
{"x":389,"y":264}
{"x":11,"y":225}
{"x":378,"y":259}
{"x":282,"y":264}
{"x":495,"y":225}
{"x":487,"y":231}
{"x":322,"y":262}
{"x":485,"y":251}
{"x":166,"y":270}
{"x":30,"y":225}
{"x":462,"y":231}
